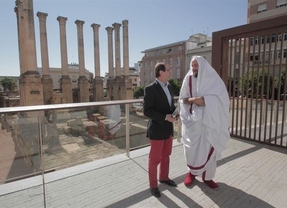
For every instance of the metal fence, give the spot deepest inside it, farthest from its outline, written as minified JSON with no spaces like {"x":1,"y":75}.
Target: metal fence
{"x":251,"y":60}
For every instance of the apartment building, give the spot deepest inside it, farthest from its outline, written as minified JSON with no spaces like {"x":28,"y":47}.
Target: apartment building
{"x":200,"y":45}
{"x":172,"y":54}
{"x":177,"y":55}
{"x":265,"y":9}
{"x":275,"y":42}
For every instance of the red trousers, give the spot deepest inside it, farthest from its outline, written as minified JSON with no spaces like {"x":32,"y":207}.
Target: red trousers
{"x":160,"y":151}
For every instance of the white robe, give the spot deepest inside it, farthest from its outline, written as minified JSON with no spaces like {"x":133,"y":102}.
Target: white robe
{"x":207,"y":126}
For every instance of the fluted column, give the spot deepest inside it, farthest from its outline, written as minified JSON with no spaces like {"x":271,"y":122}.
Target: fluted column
{"x":117,"y":49}
{"x":83,"y":84}
{"x":47,"y":81}
{"x":96,"y":49}
{"x":98,"y":88}
{"x":81,"y":52}
{"x":30,"y":86}
{"x":44,"y":42}
{"x":110,"y":51}
{"x":66,"y":84}
{"x":125,"y":47}
{"x":21,"y":35}
{"x":26,"y":18}
{"x":63,"y":41}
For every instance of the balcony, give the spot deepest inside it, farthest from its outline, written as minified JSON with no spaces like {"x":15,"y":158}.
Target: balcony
{"x":65,"y":156}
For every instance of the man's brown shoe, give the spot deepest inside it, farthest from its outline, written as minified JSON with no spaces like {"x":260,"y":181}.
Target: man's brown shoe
{"x":155,"y":192}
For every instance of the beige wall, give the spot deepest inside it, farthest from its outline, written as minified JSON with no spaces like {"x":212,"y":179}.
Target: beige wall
{"x":73,"y":72}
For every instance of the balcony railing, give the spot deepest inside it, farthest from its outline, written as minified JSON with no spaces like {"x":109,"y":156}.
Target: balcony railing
{"x":44,"y":138}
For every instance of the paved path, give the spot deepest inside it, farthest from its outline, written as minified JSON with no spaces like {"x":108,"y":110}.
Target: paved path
{"x":249,"y":175}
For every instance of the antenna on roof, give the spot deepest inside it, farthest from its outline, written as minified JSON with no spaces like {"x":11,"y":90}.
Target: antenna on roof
{"x":207,"y":32}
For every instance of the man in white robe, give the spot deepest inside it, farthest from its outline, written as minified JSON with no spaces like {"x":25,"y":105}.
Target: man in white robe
{"x":204,"y":112}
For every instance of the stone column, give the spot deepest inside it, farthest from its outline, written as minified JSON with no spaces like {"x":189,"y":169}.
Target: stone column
{"x":110,"y":49}
{"x":126,"y":86}
{"x":125,"y":47}
{"x":83,"y":84}
{"x":96,"y":49}
{"x":47,"y":81}
{"x":66,"y":84}
{"x":31,"y":90}
{"x":21,"y":35}
{"x":111,"y":62}
{"x":117,"y":27}
{"x":98,"y":89}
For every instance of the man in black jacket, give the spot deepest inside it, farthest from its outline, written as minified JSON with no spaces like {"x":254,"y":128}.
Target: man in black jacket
{"x":158,"y":106}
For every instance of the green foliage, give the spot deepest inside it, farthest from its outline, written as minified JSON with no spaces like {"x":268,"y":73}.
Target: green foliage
{"x":8,"y":84}
{"x":175,"y":86}
{"x":256,"y":81}
{"x":138,"y":92}
{"x":232,"y":83}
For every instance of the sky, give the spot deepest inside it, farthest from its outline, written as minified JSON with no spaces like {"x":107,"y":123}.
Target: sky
{"x":152,"y":23}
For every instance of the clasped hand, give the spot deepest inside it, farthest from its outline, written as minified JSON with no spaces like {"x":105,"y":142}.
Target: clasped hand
{"x":194,"y":100}
{"x":170,"y":118}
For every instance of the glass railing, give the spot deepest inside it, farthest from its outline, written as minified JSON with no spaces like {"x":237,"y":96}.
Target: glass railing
{"x":35,"y":140}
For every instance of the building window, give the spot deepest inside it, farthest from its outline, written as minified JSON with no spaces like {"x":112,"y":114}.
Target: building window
{"x":284,"y":53}
{"x":262,"y":8}
{"x":281,"y":3}
{"x":168,"y":50}
{"x":278,"y":54}
{"x":251,"y":41}
{"x":178,"y":61}
{"x":279,"y":37}
{"x":170,"y":62}
{"x":151,"y":63}
{"x":178,"y":73}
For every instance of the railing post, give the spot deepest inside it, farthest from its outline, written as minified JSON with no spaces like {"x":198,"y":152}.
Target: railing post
{"x":127,"y":129}
{"x":42,"y":167}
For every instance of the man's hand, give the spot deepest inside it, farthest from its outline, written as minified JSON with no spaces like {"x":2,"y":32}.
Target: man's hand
{"x":170,"y":118}
{"x":194,"y":100}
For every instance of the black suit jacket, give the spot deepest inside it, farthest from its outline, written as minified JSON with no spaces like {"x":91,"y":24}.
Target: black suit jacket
{"x":155,"y":107}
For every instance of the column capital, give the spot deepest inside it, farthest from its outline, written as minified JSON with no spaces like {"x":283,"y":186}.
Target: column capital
{"x":42,"y":16}
{"x":125,"y":23}
{"x":62,"y":20}
{"x":79,"y":23}
{"x":109,"y":29}
{"x":18,"y":2}
{"x":117,"y":26}
{"x":95,"y":26}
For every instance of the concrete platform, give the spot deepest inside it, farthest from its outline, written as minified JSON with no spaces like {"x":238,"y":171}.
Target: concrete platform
{"x":249,"y":175}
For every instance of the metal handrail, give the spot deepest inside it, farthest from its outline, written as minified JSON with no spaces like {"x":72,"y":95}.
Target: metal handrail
{"x":67,"y":105}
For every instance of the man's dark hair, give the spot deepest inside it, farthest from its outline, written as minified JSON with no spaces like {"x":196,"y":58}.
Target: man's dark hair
{"x":159,"y":67}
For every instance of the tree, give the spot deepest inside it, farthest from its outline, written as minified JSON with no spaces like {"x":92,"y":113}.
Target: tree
{"x":175,"y":86}
{"x":138,"y":92}
{"x":8,"y":84}
{"x":254,"y":81}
